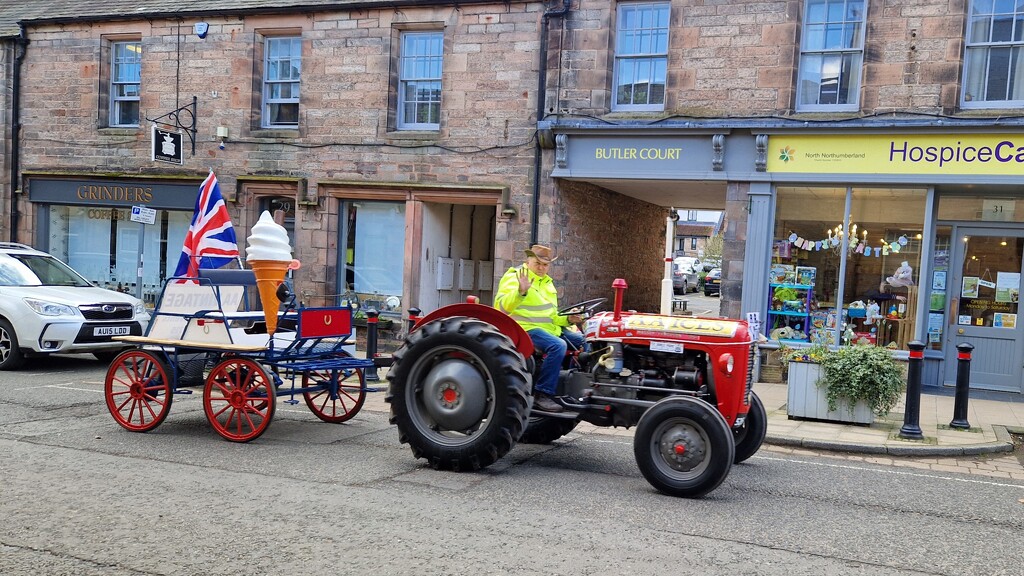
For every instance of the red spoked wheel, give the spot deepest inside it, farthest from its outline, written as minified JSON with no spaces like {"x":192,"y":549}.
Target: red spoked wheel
{"x":138,"y":390}
{"x":345,"y":403}
{"x":238,"y":399}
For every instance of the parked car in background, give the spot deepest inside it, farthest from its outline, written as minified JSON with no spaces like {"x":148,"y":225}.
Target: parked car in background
{"x":47,"y":308}
{"x":710,"y":264}
{"x":685,"y":275}
{"x":713,"y":282}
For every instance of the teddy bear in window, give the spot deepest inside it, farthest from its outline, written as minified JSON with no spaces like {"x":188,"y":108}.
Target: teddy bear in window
{"x":903,"y":277}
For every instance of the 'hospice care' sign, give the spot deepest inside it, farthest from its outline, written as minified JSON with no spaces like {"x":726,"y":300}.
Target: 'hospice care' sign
{"x":977,"y":154}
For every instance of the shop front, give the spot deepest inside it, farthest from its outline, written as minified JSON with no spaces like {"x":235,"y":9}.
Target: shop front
{"x":884,"y":239}
{"x":87,"y":222}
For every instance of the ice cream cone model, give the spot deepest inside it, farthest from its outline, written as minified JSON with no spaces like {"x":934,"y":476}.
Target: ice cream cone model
{"x":270,"y":256}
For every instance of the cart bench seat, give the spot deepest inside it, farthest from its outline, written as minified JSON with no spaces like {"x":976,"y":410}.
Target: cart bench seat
{"x":191,"y":344}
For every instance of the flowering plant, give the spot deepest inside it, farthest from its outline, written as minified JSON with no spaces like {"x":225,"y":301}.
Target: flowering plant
{"x":815,"y":353}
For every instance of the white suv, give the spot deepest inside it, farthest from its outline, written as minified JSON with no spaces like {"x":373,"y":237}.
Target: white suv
{"x":46,"y":307}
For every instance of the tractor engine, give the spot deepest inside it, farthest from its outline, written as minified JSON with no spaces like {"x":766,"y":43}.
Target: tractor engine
{"x":636,"y":372}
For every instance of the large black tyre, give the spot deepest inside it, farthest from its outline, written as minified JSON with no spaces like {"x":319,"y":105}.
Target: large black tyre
{"x":547,"y":429}
{"x":683,"y":447}
{"x":750,"y":437}
{"x":459,"y":393}
{"x":11,"y":356}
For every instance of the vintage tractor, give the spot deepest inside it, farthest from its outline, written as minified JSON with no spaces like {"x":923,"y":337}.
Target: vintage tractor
{"x":460,"y":390}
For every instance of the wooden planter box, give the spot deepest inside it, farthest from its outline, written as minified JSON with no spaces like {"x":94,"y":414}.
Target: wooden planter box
{"x":806,"y":400}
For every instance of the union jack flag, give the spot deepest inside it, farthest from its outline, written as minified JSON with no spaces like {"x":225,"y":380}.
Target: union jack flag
{"x":210,"y":242}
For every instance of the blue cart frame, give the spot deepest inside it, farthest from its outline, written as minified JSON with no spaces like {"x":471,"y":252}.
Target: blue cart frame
{"x":202,"y":334}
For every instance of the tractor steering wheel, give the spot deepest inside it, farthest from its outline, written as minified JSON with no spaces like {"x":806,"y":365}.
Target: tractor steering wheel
{"x":584,"y":308}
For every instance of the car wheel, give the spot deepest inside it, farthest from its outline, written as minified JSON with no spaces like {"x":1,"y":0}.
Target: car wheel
{"x":706,"y":293}
{"x":11,"y":357}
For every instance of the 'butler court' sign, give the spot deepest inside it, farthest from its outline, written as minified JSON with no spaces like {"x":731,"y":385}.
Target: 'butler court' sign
{"x":167,"y":146}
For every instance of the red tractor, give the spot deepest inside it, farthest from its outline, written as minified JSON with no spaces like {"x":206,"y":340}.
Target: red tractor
{"x":460,"y":390}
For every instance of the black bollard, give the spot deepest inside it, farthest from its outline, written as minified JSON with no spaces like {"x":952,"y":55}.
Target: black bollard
{"x":911,"y":429}
{"x":414,"y":317}
{"x":371,"y":343}
{"x":963,"y":386}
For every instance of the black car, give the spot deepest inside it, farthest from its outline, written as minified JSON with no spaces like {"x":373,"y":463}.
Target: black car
{"x":713,"y":282}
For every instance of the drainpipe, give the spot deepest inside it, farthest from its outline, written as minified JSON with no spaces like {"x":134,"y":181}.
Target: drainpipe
{"x":19,"y":54}
{"x":541,"y":96}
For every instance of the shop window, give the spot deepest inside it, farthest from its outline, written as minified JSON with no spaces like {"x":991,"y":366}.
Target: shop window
{"x":103,"y":245}
{"x":994,"y":55}
{"x":419,"y":91}
{"x":125,"y":82}
{"x":282,"y":69}
{"x":641,"y":56}
{"x":814,"y":298}
{"x":374,"y":256}
{"x":831,"y":54}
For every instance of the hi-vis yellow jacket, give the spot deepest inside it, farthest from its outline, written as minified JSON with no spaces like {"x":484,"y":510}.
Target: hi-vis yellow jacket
{"x":538,"y":309}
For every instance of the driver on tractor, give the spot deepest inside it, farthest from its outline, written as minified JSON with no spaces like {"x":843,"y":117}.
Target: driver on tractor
{"x":528,"y":295}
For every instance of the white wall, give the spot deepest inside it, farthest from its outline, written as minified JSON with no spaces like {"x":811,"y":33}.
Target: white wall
{"x":479,"y":248}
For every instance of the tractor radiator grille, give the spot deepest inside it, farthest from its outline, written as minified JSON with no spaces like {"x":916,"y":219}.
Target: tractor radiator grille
{"x":750,"y":372}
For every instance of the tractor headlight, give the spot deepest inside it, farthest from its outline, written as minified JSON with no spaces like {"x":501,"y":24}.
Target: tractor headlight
{"x":726,"y":363}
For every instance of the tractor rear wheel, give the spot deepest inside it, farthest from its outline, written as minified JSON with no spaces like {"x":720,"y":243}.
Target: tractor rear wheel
{"x":683,"y":447}
{"x":459,"y":393}
{"x":750,"y":437}
{"x":547,"y":429}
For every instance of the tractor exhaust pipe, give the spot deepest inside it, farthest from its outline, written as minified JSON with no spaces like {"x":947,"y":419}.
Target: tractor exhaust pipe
{"x":619,"y":285}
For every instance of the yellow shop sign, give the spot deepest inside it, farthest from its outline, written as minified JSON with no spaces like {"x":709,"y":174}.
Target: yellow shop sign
{"x":975,"y":154}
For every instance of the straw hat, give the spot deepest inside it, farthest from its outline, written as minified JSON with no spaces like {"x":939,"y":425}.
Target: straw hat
{"x":542,"y":253}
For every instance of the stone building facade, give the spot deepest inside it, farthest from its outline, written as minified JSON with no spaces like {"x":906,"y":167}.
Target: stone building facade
{"x":466,"y":188}
{"x":803,"y":119}
{"x":578,"y":124}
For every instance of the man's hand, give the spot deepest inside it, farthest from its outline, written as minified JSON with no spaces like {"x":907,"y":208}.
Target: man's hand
{"x":524,"y":282}
{"x":575,"y":319}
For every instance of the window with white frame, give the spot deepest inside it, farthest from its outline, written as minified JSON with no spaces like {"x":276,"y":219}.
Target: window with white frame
{"x":419,"y":90}
{"x":641,"y":56}
{"x":831,"y":55}
{"x":994,"y":57}
{"x":282,"y":69}
{"x":125,"y":78}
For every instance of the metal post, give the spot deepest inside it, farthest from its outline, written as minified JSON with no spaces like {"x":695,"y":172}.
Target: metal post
{"x":371,"y":343}
{"x":414,"y":317}
{"x":911,"y":429}
{"x":963,"y":386}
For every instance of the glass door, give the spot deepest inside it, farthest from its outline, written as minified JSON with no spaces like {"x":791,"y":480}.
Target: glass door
{"x":983,"y":307}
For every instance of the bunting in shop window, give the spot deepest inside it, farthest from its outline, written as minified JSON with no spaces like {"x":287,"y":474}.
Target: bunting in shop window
{"x":210,"y":241}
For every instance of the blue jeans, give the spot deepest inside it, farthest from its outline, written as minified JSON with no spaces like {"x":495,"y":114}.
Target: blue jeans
{"x":554,"y":349}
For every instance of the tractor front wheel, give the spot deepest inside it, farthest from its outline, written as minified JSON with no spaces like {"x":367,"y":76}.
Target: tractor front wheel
{"x":750,"y":436}
{"x":683,"y":447}
{"x":459,"y":393}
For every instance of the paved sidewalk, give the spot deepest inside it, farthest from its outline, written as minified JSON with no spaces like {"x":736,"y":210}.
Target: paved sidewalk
{"x":991,"y":416}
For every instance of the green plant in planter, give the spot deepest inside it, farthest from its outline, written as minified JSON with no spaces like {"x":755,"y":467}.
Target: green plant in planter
{"x":862,"y":372}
